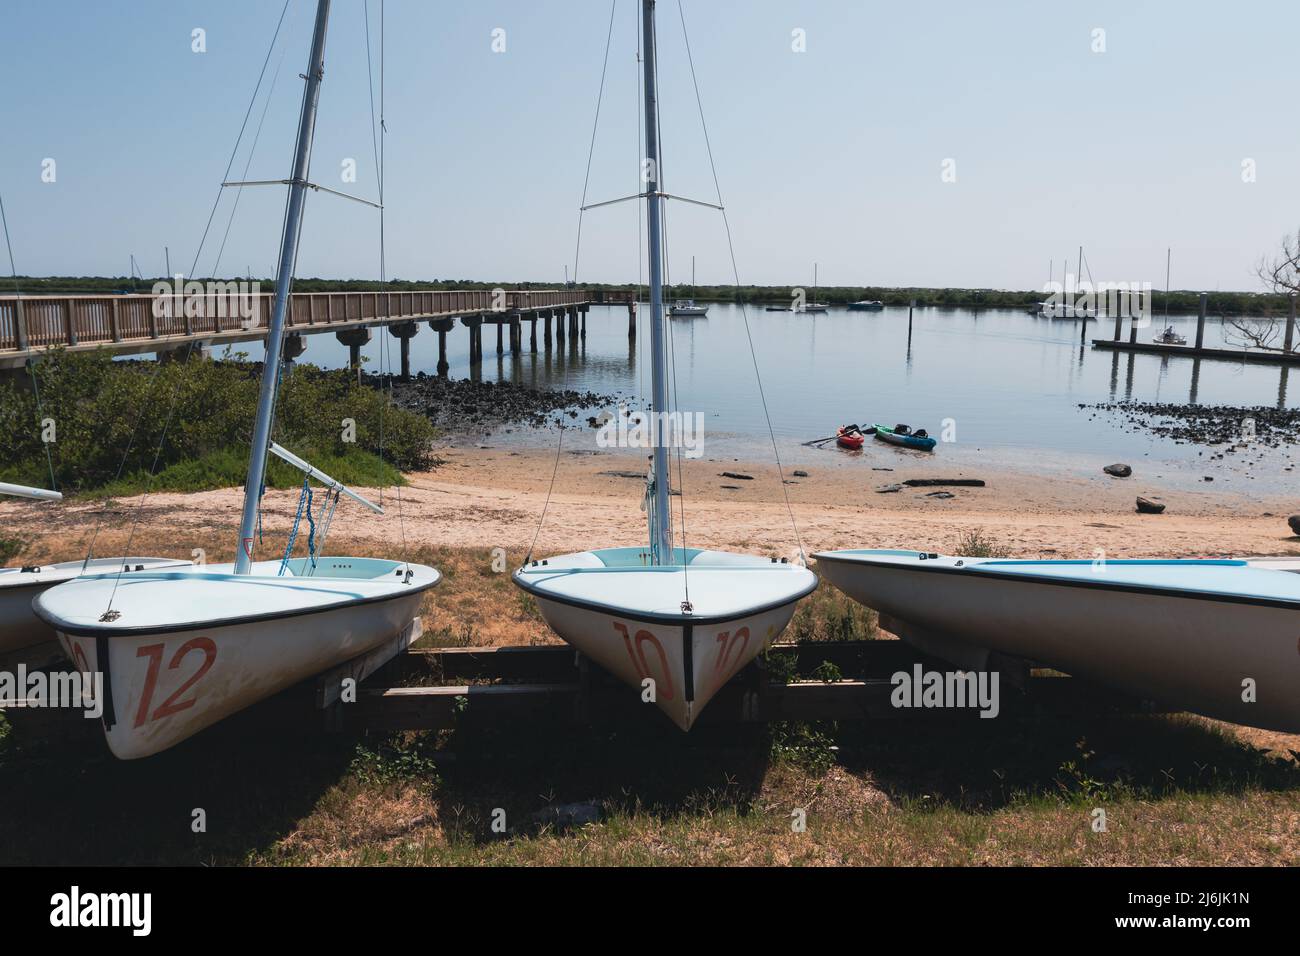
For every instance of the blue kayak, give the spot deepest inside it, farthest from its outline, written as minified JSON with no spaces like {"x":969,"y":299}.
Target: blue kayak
{"x":907,"y":440}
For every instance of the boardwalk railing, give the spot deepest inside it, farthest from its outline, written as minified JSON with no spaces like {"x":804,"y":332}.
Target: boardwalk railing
{"x":36,"y":322}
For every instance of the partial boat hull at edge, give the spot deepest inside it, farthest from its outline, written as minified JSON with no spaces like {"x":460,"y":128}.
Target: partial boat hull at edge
{"x":1184,"y":649}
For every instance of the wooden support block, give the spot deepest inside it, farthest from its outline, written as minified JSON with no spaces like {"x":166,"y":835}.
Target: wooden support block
{"x":329,"y":686}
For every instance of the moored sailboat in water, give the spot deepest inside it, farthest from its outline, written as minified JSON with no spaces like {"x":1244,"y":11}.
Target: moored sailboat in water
{"x":180,"y":649}
{"x":674,"y":621}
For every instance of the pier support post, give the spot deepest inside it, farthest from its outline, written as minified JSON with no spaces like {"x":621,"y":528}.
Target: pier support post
{"x":1200,"y":321}
{"x":559,"y":328}
{"x":631,"y":319}
{"x":1290,"y":325}
{"x":500,"y":333}
{"x":187,"y":352}
{"x":442,"y":327}
{"x":546,"y":329}
{"x":516,"y":335}
{"x":295,"y":343}
{"x":1127,"y":298}
{"x":532,"y":333}
{"x":475,"y":325}
{"x":405,"y":331}
{"x":1112,"y":304}
{"x":582,"y":317}
{"x":354,"y":339}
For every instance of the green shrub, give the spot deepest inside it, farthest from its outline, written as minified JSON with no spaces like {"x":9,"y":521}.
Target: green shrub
{"x":110,"y":417}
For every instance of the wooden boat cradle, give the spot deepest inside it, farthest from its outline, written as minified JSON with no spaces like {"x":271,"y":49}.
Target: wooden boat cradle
{"x":559,"y":686}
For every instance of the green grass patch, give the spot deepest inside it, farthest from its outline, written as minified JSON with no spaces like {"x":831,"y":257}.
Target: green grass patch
{"x":229,"y":466}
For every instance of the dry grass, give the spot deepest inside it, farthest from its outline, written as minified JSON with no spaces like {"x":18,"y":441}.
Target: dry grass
{"x":1176,"y":791}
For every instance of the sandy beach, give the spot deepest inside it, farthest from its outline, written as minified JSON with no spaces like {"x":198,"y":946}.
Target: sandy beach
{"x":494,"y":497}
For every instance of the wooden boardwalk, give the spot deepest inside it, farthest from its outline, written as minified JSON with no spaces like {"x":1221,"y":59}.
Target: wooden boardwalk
{"x":135,"y":324}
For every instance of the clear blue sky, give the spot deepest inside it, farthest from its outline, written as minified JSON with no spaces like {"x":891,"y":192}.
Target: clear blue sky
{"x":833,"y":154}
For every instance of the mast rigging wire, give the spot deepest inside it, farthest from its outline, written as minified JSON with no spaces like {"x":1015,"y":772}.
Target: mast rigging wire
{"x":238,"y":139}
{"x":744,"y":309}
{"x":30,"y":363}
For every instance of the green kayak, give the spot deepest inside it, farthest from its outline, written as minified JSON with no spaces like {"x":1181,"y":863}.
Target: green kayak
{"x":902,"y":435}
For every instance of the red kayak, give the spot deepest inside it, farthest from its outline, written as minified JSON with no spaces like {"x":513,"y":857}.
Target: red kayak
{"x":852,"y":440}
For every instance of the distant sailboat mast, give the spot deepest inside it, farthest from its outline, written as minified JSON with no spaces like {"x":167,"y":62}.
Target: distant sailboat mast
{"x":661,"y":541}
{"x":1169,"y":259}
{"x":283,"y":282}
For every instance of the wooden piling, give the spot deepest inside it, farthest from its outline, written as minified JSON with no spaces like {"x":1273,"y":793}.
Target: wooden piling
{"x":1290,"y":325}
{"x":1200,"y":321}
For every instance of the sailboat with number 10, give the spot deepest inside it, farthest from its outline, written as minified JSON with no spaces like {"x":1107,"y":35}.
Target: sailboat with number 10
{"x":676,"y":623}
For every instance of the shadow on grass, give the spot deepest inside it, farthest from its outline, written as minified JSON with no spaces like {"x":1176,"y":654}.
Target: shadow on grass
{"x":69,"y":801}
{"x":635,"y":764}
{"x":257,"y":779}
{"x":986,"y":765}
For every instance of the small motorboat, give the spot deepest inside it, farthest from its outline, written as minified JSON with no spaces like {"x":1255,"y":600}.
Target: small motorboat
{"x":848,"y":436}
{"x":904,"y":436}
{"x":687,"y":309}
{"x":813,"y":308}
{"x":866,"y":305}
{"x":1169,"y":337}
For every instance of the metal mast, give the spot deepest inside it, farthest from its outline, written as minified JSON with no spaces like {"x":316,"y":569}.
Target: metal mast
{"x":661,"y":539}
{"x":284,"y":279}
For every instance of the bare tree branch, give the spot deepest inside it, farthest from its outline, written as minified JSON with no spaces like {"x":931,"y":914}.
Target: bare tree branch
{"x":1281,"y":275}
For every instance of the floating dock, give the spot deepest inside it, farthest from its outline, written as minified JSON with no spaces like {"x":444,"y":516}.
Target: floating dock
{"x":1191,"y":351}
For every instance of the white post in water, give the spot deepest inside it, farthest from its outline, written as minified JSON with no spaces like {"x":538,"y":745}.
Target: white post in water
{"x":661,"y":538}
{"x":283,"y":282}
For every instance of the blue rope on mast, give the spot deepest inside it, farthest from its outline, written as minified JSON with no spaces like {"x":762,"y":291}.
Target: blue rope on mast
{"x":311,"y":527}
{"x":304,"y":503}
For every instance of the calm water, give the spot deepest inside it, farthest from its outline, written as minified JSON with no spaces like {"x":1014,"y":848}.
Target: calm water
{"x":1011,"y":382}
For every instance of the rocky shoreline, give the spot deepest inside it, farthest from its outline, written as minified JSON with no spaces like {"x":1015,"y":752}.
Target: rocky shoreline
{"x":465,"y":406}
{"x":1207,"y":424}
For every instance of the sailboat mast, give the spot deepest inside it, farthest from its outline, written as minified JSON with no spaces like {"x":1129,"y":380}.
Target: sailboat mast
{"x":284,"y":279}
{"x":661,"y":541}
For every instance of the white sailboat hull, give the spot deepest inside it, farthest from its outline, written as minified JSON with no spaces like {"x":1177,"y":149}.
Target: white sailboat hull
{"x":166,"y":682}
{"x":1191,"y":634}
{"x":687,"y":664}
{"x":628,"y":618}
{"x":20,"y":628}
